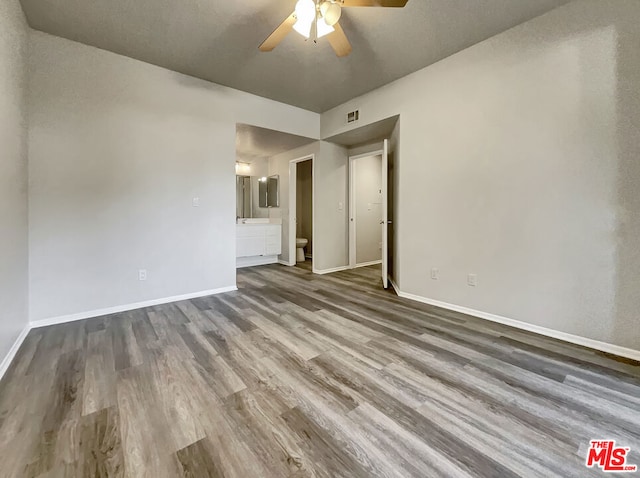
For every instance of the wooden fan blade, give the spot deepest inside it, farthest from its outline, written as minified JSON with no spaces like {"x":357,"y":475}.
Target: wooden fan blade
{"x":374,"y":3}
{"x":279,"y":33}
{"x":339,"y":41}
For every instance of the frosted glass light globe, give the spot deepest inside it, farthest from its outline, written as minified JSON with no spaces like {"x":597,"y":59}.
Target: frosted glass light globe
{"x":331,"y":12}
{"x":306,"y":11}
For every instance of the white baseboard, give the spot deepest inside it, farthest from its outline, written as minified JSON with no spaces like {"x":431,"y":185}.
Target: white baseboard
{"x":6,"y":361}
{"x":285,"y":263}
{"x":329,"y":271}
{"x":123,"y":308}
{"x":556,"y":334}
{"x":366,"y":264}
{"x":255,"y":261}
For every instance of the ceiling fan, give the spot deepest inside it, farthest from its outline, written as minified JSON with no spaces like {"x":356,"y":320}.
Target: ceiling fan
{"x":317,"y":18}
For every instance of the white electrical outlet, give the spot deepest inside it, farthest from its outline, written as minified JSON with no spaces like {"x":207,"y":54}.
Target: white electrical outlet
{"x":472,"y":280}
{"x":142,"y":274}
{"x":435,"y":274}
{"x":196,"y":202}
{"x":340,"y":206}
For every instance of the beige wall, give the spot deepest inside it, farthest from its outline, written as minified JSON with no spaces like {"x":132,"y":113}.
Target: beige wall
{"x":304,"y":203}
{"x":118,"y":150}
{"x":517,"y":160}
{"x":13,"y":175}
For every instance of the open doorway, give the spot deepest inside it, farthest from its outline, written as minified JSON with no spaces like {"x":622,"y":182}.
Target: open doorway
{"x":369,"y":210}
{"x":381,"y":137}
{"x":365,"y":209}
{"x":262,"y":226}
{"x":301,"y":210}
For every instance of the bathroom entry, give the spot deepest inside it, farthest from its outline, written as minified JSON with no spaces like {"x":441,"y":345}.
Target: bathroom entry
{"x":301,"y":212}
{"x":368,"y":221}
{"x":304,"y":211}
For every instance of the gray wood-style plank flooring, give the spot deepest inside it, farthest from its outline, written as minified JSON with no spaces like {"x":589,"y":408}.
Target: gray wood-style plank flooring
{"x":300,"y":375}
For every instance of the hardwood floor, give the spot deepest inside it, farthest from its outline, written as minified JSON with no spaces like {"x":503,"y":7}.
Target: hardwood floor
{"x":301,"y":375}
{"x":307,"y":265}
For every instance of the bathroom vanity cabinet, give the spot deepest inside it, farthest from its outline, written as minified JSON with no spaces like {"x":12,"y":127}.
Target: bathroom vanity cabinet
{"x":257,"y":243}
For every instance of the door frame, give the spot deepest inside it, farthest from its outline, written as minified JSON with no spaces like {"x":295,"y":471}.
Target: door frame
{"x":293,"y":185}
{"x":352,"y":208}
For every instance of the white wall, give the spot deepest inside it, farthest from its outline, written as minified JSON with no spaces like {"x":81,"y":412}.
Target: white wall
{"x":331,"y":212}
{"x":118,"y":149}
{"x":368,"y":147}
{"x":517,"y":160}
{"x":368,"y":208}
{"x":279,"y":164}
{"x":13,"y":175}
{"x":330,"y":185}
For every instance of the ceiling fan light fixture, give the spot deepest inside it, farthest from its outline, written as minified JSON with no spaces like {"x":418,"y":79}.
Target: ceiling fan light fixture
{"x":303,"y":28}
{"x":306,"y":11}
{"x":317,"y":18}
{"x":324,"y":28}
{"x":331,"y":12}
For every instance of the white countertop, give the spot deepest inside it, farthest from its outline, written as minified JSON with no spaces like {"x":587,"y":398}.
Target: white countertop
{"x":258,"y":221}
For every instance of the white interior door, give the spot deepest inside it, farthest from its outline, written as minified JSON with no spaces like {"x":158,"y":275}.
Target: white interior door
{"x":385,"y":215}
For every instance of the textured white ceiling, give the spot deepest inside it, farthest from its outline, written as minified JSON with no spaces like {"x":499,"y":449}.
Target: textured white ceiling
{"x":218,"y":40}
{"x":371,"y":132}
{"x":256,"y":143}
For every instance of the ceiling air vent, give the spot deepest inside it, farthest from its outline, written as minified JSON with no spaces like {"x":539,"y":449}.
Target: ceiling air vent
{"x":353,"y":116}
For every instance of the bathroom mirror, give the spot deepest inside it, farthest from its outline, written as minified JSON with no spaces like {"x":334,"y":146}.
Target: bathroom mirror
{"x":248,"y":197}
{"x":268,"y":191}
{"x":243,"y":196}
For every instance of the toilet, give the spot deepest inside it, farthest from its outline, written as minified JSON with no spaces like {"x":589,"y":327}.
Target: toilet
{"x":300,"y":243}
